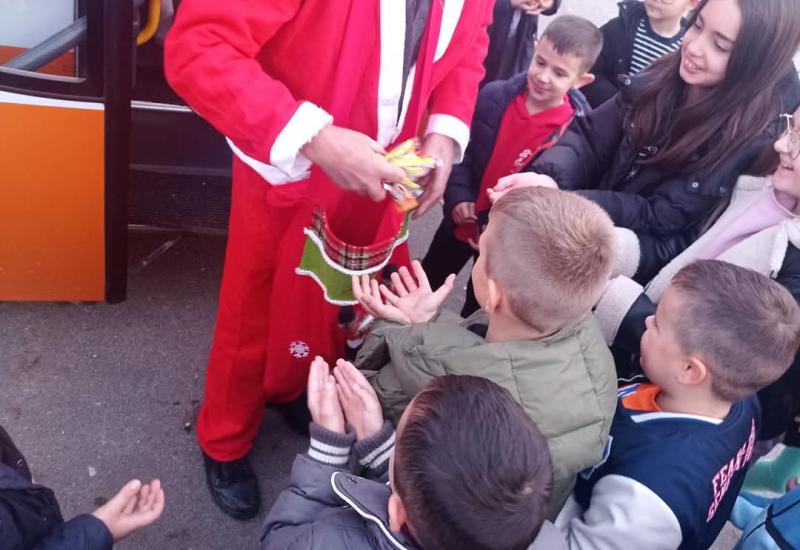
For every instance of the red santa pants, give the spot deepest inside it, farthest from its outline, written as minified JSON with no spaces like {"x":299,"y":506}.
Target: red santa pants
{"x":240,"y":379}
{"x":271,"y":322}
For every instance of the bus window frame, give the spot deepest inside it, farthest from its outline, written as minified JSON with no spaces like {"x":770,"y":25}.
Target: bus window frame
{"x":88,"y":87}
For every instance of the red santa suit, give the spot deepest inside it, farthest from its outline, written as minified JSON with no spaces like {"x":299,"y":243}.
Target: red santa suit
{"x":269,"y":74}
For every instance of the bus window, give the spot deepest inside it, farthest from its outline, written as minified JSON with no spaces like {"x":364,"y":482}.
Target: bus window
{"x":42,"y":38}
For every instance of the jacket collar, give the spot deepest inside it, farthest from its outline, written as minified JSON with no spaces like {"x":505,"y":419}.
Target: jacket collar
{"x":630,"y":11}
{"x":370,"y":499}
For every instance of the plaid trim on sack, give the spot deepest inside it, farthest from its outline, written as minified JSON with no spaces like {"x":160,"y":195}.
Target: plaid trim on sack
{"x":331,"y":262}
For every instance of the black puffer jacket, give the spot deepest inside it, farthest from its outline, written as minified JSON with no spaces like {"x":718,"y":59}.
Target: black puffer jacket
{"x":509,"y":53}
{"x":30,"y":517}
{"x":493,"y":101}
{"x":597,"y":157}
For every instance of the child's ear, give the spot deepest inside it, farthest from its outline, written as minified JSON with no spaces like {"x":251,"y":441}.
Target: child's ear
{"x":694,"y":372}
{"x":494,"y":295}
{"x":397,"y":513}
{"x":584,"y":80}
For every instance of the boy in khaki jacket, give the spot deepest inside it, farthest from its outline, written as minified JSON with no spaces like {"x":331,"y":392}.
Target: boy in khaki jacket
{"x":545,"y":258}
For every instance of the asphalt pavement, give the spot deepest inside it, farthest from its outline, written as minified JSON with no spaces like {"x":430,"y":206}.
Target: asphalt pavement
{"x":97,"y":394}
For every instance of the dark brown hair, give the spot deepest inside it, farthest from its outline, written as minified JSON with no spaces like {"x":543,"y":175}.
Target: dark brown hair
{"x":573,"y":35}
{"x":744,"y":325}
{"x":473,"y":470}
{"x":737,"y":110}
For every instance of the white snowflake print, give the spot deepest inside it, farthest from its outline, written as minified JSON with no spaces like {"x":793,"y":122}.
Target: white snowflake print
{"x":299,"y":349}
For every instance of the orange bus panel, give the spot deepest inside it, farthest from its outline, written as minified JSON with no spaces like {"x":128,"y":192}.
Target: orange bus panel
{"x":52,"y":239}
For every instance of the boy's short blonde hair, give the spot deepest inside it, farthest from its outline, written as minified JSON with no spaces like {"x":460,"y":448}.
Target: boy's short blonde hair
{"x":744,"y":326}
{"x":551,"y":252}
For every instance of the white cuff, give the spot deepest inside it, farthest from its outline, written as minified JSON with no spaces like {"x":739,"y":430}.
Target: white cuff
{"x":619,"y":296}
{"x":453,"y":128}
{"x":287,"y":163}
{"x":628,"y":253}
{"x":306,"y":122}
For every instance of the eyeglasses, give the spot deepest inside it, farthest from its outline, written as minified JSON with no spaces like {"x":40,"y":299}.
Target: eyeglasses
{"x":792,"y":136}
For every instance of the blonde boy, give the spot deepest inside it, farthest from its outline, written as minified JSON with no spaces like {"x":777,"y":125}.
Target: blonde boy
{"x":544,"y":260}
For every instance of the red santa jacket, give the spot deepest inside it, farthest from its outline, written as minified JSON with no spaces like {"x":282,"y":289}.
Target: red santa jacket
{"x":262,"y":72}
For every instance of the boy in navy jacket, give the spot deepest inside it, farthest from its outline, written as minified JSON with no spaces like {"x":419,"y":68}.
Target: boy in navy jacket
{"x":680,"y":445}
{"x":514,"y":121}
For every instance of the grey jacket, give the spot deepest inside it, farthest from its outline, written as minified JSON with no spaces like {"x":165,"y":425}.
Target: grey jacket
{"x":566,"y":382}
{"x":327,"y":507}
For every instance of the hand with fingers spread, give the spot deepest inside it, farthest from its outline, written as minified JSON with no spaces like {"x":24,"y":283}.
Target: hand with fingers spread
{"x":409,"y":300}
{"x":443,"y":149}
{"x":367,"y":292}
{"x":360,"y":404}
{"x":323,"y":399}
{"x":133,"y":507}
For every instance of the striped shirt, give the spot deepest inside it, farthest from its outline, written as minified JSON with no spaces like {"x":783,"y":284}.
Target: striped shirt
{"x":649,"y":46}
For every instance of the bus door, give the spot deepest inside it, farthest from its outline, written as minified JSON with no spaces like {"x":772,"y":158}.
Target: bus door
{"x":65,"y":81}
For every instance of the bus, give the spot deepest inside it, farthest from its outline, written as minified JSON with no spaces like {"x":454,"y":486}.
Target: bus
{"x":93,"y":142}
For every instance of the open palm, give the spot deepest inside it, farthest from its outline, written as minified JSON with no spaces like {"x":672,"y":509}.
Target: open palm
{"x":409,"y":300}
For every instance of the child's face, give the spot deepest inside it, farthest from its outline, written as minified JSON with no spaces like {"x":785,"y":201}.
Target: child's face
{"x":787,"y":176}
{"x":664,"y":11}
{"x":707,"y":44}
{"x":661,"y":355}
{"x":551,"y":74}
{"x":480,"y":277}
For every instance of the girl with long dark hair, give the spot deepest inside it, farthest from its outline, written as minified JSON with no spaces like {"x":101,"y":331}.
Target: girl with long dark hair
{"x":664,"y":152}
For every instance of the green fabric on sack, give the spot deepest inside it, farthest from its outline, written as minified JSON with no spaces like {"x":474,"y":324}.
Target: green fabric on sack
{"x":336,"y":282}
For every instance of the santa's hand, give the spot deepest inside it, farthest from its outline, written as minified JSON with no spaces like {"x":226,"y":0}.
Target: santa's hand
{"x":323,"y":399}
{"x":442,"y":148}
{"x":353,"y":161}
{"x":517,"y":181}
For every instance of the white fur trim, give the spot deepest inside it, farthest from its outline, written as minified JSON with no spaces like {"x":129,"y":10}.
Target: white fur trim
{"x":390,"y":78}
{"x":628,"y":253}
{"x":306,"y":122}
{"x":452,"y":127}
{"x":451,"y":13}
{"x":614,"y":305}
{"x":266,"y":171}
{"x":288,"y":164}
{"x":328,"y":299}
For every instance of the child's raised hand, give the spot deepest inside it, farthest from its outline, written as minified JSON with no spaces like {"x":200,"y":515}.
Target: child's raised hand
{"x":323,"y":400}
{"x":367,"y":292}
{"x":792,"y":484}
{"x":359,"y":400}
{"x":133,"y":507}
{"x":413,"y":297}
{"x":408,"y":301}
{"x":517,"y":181}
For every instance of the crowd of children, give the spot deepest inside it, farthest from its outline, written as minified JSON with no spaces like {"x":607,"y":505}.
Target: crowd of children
{"x":649,"y":234}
